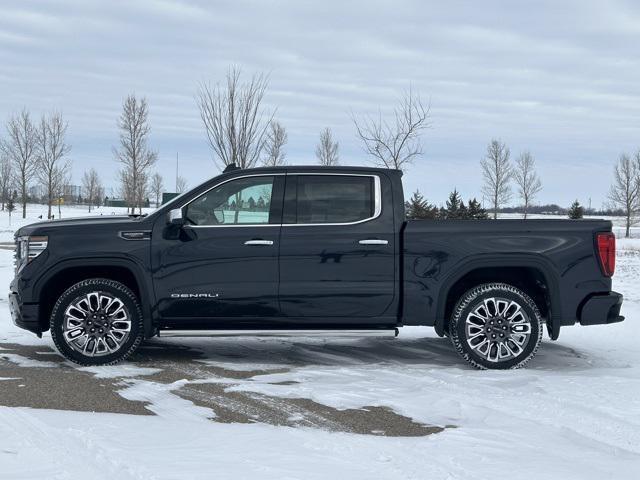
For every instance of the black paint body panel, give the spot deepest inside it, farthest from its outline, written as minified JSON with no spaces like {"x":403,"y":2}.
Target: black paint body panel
{"x":314,"y":276}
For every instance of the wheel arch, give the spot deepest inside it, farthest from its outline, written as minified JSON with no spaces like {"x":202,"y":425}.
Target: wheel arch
{"x":68,"y":272}
{"x":533,"y":274}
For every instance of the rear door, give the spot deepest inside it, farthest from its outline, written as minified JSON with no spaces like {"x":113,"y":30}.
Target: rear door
{"x":337,"y":248}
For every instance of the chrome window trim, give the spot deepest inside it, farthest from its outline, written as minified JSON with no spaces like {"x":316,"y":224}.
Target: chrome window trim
{"x":235,"y":224}
{"x":377,"y":210}
{"x":377,"y":199}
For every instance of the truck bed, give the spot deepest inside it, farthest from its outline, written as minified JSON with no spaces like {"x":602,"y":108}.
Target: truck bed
{"x":438,"y":253}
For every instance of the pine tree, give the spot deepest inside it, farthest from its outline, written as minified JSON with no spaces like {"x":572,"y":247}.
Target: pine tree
{"x":11,"y":206}
{"x":576,"y":211}
{"x":456,"y":209}
{"x":475,"y":210}
{"x":418,"y":208}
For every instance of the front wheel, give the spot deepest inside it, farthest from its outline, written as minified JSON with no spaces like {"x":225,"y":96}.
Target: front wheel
{"x":496,"y":326}
{"x":97,"y":322}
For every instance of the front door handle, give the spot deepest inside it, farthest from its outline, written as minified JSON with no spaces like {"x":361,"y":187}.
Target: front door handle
{"x":259,"y":242}
{"x":373,"y":241}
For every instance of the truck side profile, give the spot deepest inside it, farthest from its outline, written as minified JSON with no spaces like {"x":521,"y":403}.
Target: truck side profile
{"x":309,"y":250}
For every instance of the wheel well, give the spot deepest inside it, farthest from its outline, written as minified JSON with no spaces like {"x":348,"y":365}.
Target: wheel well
{"x":56,"y":285}
{"x":529,"y":280}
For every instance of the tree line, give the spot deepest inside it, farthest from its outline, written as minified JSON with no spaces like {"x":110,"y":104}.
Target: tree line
{"x":241,"y":131}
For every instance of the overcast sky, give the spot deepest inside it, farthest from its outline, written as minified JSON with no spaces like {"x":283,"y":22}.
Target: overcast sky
{"x":561,"y":79}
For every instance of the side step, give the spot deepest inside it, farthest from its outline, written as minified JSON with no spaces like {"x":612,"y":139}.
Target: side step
{"x":388,"y":332}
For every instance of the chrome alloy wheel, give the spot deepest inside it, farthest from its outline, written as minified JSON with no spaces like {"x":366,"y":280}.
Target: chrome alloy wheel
{"x":498,"y":329}
{"x":96,"y":324}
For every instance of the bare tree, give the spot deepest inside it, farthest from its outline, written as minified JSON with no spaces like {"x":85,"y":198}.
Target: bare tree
{"x":181,"y":185}
{"x":625,"y":191}
{"x":21,"y":147}
{"x":528,"y":181}
{"x":92,"y":187}
{"x":61,"y":178}
{"x":497,"y":173}
{"x":327,"y":149}
{"x":234,"y":119}
{"x":51,"y":152}
{"x":275,"y":140}
{"x":6,"y":177}
{"x":157,"y":187}
{"x":134,"y":153}
{"x":395,"y":143}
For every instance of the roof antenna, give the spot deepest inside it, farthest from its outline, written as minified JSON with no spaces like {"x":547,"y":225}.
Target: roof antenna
{"x":231,"y":167}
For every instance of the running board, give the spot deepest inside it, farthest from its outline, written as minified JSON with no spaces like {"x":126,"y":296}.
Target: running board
{"x":391,"y":332}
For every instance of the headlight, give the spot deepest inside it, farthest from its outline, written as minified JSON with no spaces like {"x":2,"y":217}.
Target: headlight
{"x":28,"y":248}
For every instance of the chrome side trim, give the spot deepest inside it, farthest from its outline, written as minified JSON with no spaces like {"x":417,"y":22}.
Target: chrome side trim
{"x":389,"y":332}
{"x":377,"y":194}
{"x":373,"y":241}
{"x":377,"y":199}
{"x":259,"y":242}
{"x":135,"y":235}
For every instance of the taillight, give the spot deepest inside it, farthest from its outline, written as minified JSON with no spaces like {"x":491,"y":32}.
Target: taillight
{"x":607,"y":252}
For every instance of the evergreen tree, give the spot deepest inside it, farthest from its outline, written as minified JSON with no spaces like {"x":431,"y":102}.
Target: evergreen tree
{"x":475,"y":210}
{"x":456,"y":209}
{"x":576,"y":211}
{"x":418,"y":208}
{"x":11,"y":206}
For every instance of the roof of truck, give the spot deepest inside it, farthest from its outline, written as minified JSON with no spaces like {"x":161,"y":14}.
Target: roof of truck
{"x":319,"y":168}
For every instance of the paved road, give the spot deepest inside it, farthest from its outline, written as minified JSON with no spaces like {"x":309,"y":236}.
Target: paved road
{"x":37,"y":377}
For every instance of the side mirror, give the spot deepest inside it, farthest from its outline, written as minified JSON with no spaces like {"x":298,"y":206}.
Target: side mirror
{"x":175,"y":217}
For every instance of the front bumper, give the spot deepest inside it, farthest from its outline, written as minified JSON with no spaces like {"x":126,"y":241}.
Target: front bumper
{"x":25,"y":315}
{"x":601,"y":309}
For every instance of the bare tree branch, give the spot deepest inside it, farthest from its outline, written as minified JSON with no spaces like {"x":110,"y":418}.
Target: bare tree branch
{"x":234,"y":120}
{"x":396,"y":143}
{"x":497,"y":173}
{"x":625,"y":191}
{"x":181,"y":185}
{"x":6,"y":177}
{"x":134,"y":153}
{"x":157,"y":187}
{"x":92,"y":187}
{"x":21,"y":147}
{"x":528,"y":181}
{"x":327,"y":149}
{"x":51,"y":152}
{"x":275,"y":140}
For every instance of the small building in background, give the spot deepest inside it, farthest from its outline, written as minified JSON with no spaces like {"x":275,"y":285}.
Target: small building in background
{"x":167,"y":196}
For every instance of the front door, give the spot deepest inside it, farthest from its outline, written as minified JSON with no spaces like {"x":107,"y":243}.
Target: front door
{"x":337,"y":249}
{"x":221,"y":268}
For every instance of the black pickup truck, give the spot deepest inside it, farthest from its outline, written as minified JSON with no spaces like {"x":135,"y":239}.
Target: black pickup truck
{"x":309,"y":251}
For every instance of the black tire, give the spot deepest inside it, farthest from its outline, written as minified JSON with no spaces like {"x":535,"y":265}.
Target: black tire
{"x":474,"y":321}
{"x":130,"y":306}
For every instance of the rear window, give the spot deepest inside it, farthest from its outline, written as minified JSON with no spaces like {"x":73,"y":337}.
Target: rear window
{"x":334,"y":198}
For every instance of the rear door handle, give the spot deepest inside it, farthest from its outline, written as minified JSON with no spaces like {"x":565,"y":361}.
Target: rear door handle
{"x":373,"y":241}
{"x":259,"y":242}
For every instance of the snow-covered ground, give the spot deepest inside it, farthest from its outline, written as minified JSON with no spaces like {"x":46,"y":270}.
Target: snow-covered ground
{"x":574,"y":413}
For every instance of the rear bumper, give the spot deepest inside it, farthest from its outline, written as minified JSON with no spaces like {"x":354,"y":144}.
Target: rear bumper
{"x":25,"y":315}
{"x":601,"y":308}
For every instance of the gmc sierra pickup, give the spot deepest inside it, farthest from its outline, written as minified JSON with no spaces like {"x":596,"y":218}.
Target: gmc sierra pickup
{"x":309,"y":250}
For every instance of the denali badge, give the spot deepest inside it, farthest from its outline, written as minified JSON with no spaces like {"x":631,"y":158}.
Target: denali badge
{"x":195,"y":295}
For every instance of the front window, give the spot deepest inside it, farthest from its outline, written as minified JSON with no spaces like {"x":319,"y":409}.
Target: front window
{"x":244,"y":201}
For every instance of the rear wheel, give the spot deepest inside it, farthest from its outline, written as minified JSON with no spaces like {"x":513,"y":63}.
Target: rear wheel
{"x":496,"y":326}
{"x":97,"y":322}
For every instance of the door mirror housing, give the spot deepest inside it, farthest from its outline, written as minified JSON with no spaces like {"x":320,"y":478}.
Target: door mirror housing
{"x":175,"y":217}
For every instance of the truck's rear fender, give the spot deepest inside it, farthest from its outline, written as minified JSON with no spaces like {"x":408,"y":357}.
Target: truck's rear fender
{"x":527,"y":271}
{"x":50,"y":285}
